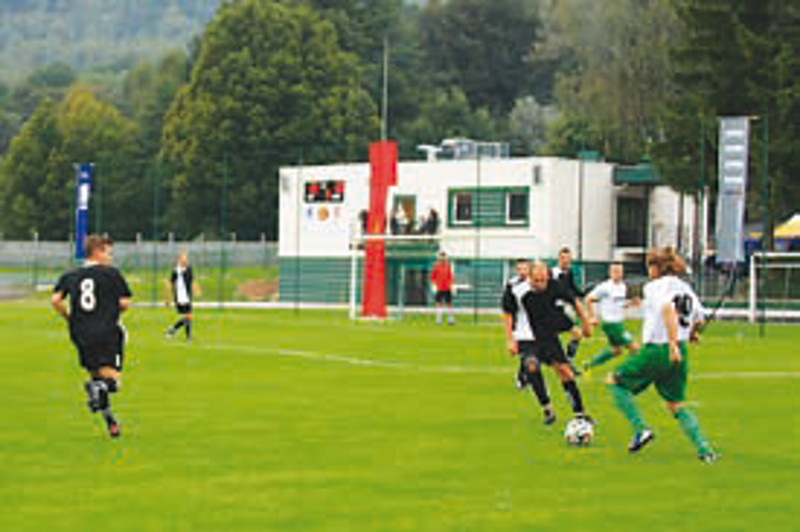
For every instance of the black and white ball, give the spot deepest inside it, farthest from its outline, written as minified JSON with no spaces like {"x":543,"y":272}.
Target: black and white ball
{"x":579,"y":431}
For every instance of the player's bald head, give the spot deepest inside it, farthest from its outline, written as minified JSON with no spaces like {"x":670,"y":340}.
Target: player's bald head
{"x":539,"y":275}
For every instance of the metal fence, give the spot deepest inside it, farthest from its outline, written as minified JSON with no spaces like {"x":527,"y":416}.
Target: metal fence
{"x":225,"y":270}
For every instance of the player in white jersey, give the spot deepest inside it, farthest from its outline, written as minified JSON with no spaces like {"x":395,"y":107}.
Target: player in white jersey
{"x":612,"y":298}
{"x":672,"y":314}
{"x":520,"y":339}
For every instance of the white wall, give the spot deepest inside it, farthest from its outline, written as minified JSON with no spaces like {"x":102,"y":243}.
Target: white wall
{"x":664,"y":219}
{"x":319,"y":235}
{"x":553,"y":207}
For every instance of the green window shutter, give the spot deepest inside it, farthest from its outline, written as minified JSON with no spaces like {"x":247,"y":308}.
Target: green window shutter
{"x":488,"y":207}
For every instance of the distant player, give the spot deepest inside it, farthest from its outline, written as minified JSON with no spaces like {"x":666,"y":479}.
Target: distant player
{"x":520,"y":340}
{"x":672,"y":314}
{"x":612,"y":297}
{"x":563,"y":274}
{"x":442,"y":281}
{"x":97,"y":295}
{"x":181,"y":283}
{"x":540,"y":304}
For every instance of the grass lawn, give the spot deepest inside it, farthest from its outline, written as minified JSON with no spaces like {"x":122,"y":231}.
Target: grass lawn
{"x":276,"y":420}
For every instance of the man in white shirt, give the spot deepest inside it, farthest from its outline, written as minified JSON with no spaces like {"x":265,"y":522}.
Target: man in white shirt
{"x":612,"y":298}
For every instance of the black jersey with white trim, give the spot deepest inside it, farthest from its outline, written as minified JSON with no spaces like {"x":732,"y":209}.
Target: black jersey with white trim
{"x":94,"y":292}
{"x":567,"y":279}
{"x":515,"y":290}
{"x":543,"y":310}
{"x":187,"y":277}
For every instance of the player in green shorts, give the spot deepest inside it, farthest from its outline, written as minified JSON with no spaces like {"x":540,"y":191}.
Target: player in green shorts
{"x":612,"y":297}
{"x":672,"y":313}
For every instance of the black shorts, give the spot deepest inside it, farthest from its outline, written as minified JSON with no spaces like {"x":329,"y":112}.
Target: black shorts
{"x":184,"y":309}
{"x":526,"y":348}
{"x":107,"y":353}
{"x":550,"y":351}
{"x":444,"y":296}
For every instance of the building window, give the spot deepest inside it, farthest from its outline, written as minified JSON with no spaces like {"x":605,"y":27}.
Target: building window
{"x":631,"y":222}
{"x":462,"y":206}
{"x":517,"y":208}
{"x":537,"y":174}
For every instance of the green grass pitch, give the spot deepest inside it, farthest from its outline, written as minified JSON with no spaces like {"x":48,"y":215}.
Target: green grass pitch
{"x":276,"y":420}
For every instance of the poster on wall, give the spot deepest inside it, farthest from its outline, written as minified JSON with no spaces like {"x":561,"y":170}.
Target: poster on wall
{"x":331,"y":191}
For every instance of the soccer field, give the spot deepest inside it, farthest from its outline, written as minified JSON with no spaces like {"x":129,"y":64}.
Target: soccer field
{"x":276,"y":420}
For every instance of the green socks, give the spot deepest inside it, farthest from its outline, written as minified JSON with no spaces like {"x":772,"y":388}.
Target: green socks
{"x":624,"y":400}
{"x":690,"y":426}
{"x":600,"y":358}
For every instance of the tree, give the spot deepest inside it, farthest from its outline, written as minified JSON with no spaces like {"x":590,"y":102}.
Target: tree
{"x":38,"y":174}
{"x":527,"y":125}
{"x":50,"y":81}
{"x":447,"y":114}
{"x":269,"y":84}
{"x":482,"y":47}
{"x":736,"y":58}
{"x":622,"y":77}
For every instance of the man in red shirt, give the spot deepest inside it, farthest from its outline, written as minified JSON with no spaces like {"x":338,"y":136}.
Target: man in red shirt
{"x":442,"y":280}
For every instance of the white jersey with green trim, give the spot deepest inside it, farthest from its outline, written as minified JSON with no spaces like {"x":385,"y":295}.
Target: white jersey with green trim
{"x":688,"y":309}
{"x":611,"y":297}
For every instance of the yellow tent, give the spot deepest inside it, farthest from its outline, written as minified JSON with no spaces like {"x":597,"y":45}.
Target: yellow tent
{"x":789,"y":229}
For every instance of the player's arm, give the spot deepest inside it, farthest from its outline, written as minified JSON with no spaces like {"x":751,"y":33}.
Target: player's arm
{"x":574,"y":287}
{"x":59,"y":304}
{"x":671,"y":321}
{"x":586,"y":326}
{"x":568,"y":297}
{"x":510,"y":307}
{"x":511,"y":344}
{"x":124,"y":292}
{"x":698,"y":319}
{"x":633,"y":302}
{"x":591,"y":299}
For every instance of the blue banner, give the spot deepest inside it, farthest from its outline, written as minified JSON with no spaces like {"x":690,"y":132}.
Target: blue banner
{"x":82,"y":190}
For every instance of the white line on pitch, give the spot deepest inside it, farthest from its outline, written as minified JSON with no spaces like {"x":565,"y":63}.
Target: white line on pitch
{"x":366,"y":362}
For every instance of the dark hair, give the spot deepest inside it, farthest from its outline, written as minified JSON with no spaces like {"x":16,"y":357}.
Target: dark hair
{"x":565,"y":249}
{"x":95,"y":242}
{"x":522,"y":259}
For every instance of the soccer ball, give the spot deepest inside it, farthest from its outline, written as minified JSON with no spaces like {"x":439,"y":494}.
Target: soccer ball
{"x":579,"y":432}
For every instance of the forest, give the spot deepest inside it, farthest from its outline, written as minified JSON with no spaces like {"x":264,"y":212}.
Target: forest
{"x":179,"y":101}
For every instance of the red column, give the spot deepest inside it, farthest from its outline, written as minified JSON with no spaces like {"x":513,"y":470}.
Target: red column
{"x":383,"y":174}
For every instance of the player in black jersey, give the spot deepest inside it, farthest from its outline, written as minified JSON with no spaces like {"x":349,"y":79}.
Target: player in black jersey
{"x":563,"y":274}
{"x":544,"y":316}
{"x":520,"y":339}
{"x":181,"y":282}
{"x":97,"y":295}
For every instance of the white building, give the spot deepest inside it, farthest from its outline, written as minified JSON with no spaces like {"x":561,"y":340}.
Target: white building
{"x":491,"y":212}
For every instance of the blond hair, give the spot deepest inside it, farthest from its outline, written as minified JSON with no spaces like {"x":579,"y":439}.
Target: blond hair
{"x":666,"y":260}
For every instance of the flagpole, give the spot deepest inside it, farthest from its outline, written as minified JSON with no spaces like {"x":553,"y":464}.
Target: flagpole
{"x":385,"y":102}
